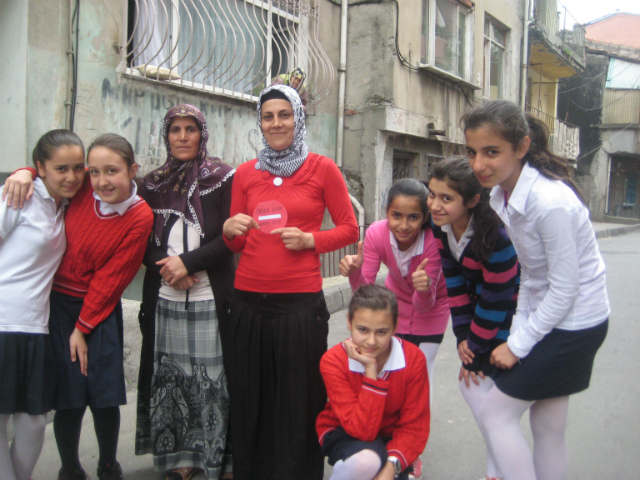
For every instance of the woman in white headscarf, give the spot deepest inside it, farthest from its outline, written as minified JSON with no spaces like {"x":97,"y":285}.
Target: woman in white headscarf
{"x":278,"y":320}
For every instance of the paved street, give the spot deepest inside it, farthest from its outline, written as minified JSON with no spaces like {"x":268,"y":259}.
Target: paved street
{"x":604,"y":422}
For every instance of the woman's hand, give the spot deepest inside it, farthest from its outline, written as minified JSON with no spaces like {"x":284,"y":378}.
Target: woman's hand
{"x":386,"y":473}
{"x":466,"y":374}
{"x":172,"y":269}
{"x":186,"y":283}
{"x":79,"y":350}
{"x":294,"y":238}
{"x":370,"y":365}
{"x":351,"y":263}
{"x":503,"y":357}
{"x":465,"y":353}
{"x":239,"y":224}
{"x":18,"y":188}
{"x":421,"y":281}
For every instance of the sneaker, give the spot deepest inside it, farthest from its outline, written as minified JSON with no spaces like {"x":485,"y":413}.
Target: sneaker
{"x":113,"y":471}
{"x":417,"y":469}
{"x":72,"y":474}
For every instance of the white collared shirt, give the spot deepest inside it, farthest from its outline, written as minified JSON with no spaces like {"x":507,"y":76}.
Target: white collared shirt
{"x":119,"y":208}
{"x":457,"y":247}
{"x":32,"y":244}
{"x":562,"y":282}
{"x":395,"y":361}
{"x":403,"y":259}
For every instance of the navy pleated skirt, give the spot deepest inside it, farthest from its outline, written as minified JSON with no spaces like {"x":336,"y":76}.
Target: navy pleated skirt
{"x":28,"y":373}
{"x":104,"y":384}
{"x":558,"y":365}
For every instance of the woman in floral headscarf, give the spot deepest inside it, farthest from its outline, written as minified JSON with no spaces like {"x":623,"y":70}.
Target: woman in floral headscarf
{"x":183,"y":402}
{"x":277,"y":328}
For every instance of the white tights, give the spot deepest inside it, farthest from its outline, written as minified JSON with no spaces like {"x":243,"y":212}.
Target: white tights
{"x":18,"y":462}
{"x":363,"y":465}
{"x":500,"y":416}
{"x":475,"y":396}
{"x":430,"y":350}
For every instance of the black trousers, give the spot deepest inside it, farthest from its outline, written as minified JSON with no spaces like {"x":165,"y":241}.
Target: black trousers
{"x":272,"y":345}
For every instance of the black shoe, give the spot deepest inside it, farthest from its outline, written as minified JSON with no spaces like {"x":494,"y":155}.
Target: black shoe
{"x":113,"y":471}
{"x":72,"y":474}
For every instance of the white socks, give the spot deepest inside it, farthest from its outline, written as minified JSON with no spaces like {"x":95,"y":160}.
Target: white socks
{"x":430,"y":350}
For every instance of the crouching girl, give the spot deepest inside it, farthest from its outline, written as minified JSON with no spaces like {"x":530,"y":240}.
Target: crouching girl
{"x":376,"y":422}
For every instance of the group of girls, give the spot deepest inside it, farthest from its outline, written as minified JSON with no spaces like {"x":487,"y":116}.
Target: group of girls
{"x":73,"y":248}
{"x":527,"y":328}
{"x":526,"y":291}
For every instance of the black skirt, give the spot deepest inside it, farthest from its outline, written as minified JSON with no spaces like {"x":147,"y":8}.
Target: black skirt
{"x":558,"y":365}
{"x":272,"y":345}
{"x":104,"y":384}
{"x":28,"y":373}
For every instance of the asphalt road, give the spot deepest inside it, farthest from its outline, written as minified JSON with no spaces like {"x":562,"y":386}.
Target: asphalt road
{"x":603,"y":435}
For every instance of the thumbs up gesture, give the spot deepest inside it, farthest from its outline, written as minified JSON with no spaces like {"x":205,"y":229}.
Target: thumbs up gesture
{"x":351,"y":263}
{"x":421,"y":281}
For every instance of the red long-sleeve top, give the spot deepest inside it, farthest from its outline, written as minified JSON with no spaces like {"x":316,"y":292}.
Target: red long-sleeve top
{"x":104,"y":253}
{"x":266,"y":265}
{"x":396,"y":405}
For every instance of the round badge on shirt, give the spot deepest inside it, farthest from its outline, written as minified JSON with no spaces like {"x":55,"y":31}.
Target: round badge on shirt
{"x":270,"y":215}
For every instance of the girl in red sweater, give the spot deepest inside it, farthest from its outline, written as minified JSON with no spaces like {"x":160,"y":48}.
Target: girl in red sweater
{"x":376,"y":422}
{"x":107,"y":229}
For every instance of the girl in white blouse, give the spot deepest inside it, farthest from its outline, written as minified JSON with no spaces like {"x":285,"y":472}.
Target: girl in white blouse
{"x":563,"y":309}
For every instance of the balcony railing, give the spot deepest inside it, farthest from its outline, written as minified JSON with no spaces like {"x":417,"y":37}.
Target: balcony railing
{"x":564,"y":138}
{"x":557,"y":19}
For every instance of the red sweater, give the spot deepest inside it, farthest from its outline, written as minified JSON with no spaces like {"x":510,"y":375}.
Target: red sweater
{"x":104,"y":253}
{"x":396,"y":406}
{"x":266,"y":265}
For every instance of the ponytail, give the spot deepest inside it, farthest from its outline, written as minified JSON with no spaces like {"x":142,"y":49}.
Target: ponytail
{"x":544,"y":160}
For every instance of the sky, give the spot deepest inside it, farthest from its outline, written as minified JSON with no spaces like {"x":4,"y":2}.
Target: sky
{"x":584,"y":11}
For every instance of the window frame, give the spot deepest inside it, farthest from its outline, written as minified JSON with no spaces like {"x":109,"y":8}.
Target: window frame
{"x":428,"y":53}
{"x":488,"y":42}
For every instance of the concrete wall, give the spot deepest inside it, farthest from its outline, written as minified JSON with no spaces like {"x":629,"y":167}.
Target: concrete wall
{"x":13,"y":83}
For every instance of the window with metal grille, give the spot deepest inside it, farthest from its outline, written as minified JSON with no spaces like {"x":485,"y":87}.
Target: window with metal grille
{"x":228,"y":47}
{"x":494,"y":58}
{"x":402,"y":165}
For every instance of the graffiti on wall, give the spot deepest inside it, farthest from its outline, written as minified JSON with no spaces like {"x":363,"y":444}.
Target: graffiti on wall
{"x":135,"y":110}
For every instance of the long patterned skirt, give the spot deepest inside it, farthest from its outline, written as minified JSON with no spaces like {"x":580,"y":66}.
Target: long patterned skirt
{"x":189,"y":397}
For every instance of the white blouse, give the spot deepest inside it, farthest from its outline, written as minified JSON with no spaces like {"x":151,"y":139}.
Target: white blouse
{"x":563,"y":282}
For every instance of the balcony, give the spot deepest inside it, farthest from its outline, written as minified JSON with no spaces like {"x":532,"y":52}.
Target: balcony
{"x":564,"y":138}
{"x":557,"y":40}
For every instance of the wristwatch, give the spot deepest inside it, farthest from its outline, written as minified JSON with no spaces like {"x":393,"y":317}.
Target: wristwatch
{"x":397,"y":466}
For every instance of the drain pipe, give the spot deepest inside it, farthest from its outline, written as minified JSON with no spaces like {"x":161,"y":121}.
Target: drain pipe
{"x":342,"y":73}
{"x":525,"y":55}
{"x":67,"y":103}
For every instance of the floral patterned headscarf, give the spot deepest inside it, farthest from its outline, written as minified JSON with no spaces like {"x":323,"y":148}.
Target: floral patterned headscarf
{"x":176,"y":187}
{"x":285,"y":162}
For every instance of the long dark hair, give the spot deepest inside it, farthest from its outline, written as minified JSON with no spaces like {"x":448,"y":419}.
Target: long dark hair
{"x":53,"y":140}
{"x":509,"y":121}
{"x":459,"y":176}
{"x":410,"y":187}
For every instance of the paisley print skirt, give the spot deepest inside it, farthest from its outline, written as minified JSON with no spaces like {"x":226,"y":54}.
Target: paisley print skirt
{"x":189,"y":397}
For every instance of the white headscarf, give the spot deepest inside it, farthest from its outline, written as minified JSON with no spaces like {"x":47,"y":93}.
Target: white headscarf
{"x":284,"y":163}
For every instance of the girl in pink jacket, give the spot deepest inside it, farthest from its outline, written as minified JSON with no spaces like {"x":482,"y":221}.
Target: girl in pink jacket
{"x":404,"y":242}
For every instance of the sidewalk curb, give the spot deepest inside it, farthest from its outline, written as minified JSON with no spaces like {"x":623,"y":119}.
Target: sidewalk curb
{"x":615,"y":231}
